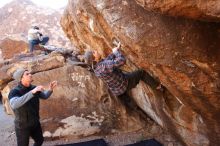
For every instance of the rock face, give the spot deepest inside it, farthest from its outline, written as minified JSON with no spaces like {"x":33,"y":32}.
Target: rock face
{"x":32,"y":63}
{"x":18,"y":16}
{"x":80,"y":105}
{"x":183,"y":54}
{"x":204,"y":10}
{"x":10,"y":47}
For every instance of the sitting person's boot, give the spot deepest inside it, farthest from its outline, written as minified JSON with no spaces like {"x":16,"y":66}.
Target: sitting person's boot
{"x":46,"y":53}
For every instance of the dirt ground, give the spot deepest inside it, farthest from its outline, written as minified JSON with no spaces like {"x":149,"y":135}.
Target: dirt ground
{"x":7,"y":134}
{"x":8,"y":138}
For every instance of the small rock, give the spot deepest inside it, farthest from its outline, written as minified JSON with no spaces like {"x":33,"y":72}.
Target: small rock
{"x":47,"y":134}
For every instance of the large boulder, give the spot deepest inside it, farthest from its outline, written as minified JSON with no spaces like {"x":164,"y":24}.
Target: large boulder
{"x":33,"y":63}
{"x":80,"y":105}
{"x":9,"y":48}
{"x":208,"y":10}
{"x":183,"y":54}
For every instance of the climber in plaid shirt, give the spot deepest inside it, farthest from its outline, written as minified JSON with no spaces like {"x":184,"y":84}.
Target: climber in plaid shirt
{"x":108,"y":70}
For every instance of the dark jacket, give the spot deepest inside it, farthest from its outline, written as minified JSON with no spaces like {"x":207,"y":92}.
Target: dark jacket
{"x":28,"y":114}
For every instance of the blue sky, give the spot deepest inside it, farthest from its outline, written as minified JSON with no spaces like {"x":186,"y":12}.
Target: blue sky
{"x":55,"y":4}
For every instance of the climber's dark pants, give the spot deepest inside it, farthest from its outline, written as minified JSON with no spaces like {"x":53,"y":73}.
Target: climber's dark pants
{"x":134,"y":78}
{"x":23,"y":135}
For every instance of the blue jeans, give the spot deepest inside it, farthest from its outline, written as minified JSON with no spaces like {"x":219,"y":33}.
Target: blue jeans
{"x":32,"y":43}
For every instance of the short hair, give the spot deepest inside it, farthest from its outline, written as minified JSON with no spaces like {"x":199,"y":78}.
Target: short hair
{"x":36,"y":27}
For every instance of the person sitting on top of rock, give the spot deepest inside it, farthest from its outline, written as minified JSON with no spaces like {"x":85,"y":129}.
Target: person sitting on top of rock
{"x":108,"y":69}
{"x":35,"y":37}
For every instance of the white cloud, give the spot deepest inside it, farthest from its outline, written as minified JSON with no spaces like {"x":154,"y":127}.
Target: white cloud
{"x":55,"y":4}
{"x":51,"y":3}
{"x":3,"y":2}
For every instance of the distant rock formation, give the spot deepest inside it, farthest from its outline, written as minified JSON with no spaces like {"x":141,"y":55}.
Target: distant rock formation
{"x":19,"y":15}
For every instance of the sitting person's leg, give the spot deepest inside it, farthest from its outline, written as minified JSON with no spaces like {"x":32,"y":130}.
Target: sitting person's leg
{"x":31,"y":47}
{"x":32,"y":43}
{"x":44,"y":40}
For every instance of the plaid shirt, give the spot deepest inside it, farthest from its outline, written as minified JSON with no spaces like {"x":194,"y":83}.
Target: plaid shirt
{"x":108,"y":70}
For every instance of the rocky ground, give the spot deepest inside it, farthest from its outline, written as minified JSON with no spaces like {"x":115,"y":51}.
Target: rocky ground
{"x":7,"y":135}
{"x":123,"y":139}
